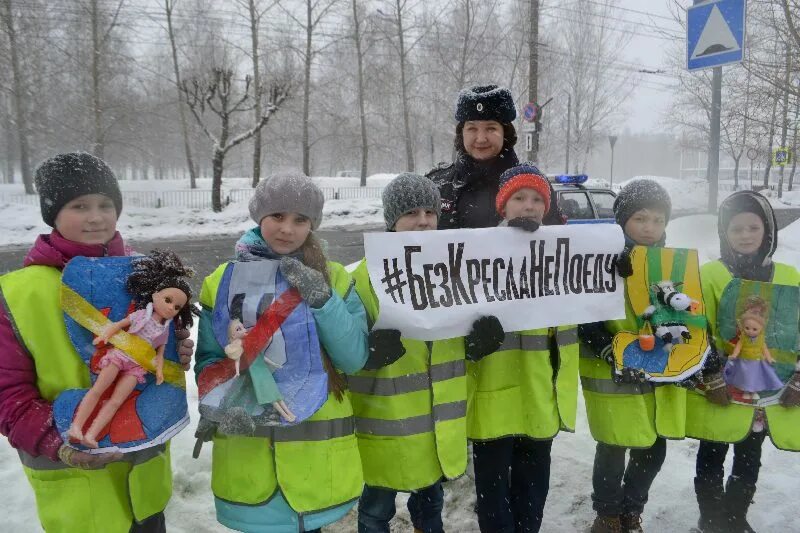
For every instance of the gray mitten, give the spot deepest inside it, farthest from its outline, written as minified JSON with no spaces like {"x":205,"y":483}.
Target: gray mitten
{"x":237,"y":422}
{"x":311,"y":283}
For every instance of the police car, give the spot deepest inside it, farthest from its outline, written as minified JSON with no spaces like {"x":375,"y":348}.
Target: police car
{"x":581,"y":204}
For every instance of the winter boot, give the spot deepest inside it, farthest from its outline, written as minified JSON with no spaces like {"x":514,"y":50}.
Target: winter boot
{"x":606,"y":524}
{"x":631,"y":523}
{"x":738,"y":497}
{"x":710,"y":500}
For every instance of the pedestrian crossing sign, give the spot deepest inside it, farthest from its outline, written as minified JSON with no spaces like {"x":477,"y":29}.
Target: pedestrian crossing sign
{"x":781,"y":157}
{"x":715,"y":32}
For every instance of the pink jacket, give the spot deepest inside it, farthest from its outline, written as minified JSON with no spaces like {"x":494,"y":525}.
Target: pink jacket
{"x":25,"y":417}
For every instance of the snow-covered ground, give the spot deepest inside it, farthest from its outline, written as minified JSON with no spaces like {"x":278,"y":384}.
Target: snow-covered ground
{"x":672,"y":505}
{"x":21,"y":223}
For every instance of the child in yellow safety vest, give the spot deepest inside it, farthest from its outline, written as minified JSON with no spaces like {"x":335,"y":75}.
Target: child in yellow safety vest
{"x":302,"y":477}
{"x":748,"y":236}
{"x":75,"y":491}
{"x":410,"y":399}
{"x":621,"y":406}
{"x":532,"y":379}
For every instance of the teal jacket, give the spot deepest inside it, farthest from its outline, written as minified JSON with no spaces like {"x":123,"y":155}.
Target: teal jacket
{"x":342,"y":329}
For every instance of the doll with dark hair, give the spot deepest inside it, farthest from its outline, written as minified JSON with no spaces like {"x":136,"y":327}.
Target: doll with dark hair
{"x":160,"y":294}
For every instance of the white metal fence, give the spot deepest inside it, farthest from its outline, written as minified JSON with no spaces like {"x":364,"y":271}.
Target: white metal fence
{"x":199,"y":198}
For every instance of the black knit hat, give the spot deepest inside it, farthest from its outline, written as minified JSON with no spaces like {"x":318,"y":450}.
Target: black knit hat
{"x":641,"y":194}
{"x":486,"y":102}
{"x":64,"y":177}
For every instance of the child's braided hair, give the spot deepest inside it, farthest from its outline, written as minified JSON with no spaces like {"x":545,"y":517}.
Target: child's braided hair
{"x":157,"y":271}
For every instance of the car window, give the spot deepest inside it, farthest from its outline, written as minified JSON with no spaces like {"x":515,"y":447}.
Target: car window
{"x":575,"y":205}
{"x":604,"y":203}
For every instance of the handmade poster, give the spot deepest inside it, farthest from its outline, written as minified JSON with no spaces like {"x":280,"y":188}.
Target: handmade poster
{"x":434,"y":284}
{"x":758,"y":327}
{"x":273,"y":374}
{"x":93,"y":295}
{"x":671,"y":341}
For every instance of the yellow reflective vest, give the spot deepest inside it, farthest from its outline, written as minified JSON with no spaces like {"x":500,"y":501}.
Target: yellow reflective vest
{"x":410,"y":415}
{"x":732,"y":423}
{"x":71,"y":499}
{"x":315,"y":464}
{"x":629,"y":414}
{"x":527,"y":388}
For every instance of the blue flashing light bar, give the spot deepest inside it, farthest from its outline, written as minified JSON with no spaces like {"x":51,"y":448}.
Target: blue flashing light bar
{"x":572,"y":178}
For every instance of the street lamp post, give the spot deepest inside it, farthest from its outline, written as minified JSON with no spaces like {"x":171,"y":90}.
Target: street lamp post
{"x":612,"y":139}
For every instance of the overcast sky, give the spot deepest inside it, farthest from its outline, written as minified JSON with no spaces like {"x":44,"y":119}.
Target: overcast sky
{"x":651,"y":99}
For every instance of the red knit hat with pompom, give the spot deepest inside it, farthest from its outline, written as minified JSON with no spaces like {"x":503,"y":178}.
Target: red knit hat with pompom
{"x":522,"y":177}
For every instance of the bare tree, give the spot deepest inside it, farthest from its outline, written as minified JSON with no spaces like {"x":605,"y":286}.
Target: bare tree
{"x":315,"y":12}
{"x":169,"y":7}
{"x":401,"y":15}
{"x":597,"y":85}
{"x":216,"y":95}
{"x":100,"y":40}
{"x":19,"y":88}
{"x":358,"y":39}
{"x":254,"y":19}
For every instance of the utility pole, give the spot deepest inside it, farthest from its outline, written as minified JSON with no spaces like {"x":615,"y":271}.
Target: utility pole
{"x":569,"y":115}
{"x":533,"y":75}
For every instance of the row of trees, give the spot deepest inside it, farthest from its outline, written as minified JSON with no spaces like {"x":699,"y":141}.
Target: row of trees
{"x":760,"y":98}
{"x":187,"y":88}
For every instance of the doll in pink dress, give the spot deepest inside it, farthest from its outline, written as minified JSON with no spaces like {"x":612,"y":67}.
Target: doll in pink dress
{"x":161,"y":294}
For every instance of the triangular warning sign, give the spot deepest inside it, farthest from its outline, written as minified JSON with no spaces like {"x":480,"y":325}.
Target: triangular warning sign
{"x":717,"y":37}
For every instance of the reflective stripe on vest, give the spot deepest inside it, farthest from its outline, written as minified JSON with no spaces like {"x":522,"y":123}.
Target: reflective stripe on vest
{"x":308,"y":431}
{"x":413,"y":425}
{"x":390,"y":386}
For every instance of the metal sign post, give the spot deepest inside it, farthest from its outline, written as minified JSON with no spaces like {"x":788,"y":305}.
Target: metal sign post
{"x":715,"y":33}
{"x":752,"y":155}
{"x":612,"y":139}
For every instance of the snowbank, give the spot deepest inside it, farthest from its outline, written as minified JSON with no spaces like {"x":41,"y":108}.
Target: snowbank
{"x":20,"y":224}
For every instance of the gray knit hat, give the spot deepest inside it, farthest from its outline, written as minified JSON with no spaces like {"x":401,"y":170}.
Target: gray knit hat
{"x":408,"y":192}
{"x":287,"y":193}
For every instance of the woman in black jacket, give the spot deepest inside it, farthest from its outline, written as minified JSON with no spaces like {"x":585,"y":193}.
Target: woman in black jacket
{"x":484,"y":144}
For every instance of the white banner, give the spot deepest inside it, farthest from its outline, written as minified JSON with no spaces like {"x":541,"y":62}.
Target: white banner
{"x":434,"y":284}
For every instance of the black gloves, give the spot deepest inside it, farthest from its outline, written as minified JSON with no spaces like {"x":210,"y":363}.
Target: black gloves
{"x":385,"y":347}
{"x":624,"y":264}
{"x":486,"y":337}
{"x":528,"y":224}
{"x":204,"y":433}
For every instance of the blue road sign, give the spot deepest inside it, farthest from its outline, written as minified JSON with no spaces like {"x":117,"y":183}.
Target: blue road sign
{"x":530,"y":111}
{"x":715,"y":33}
